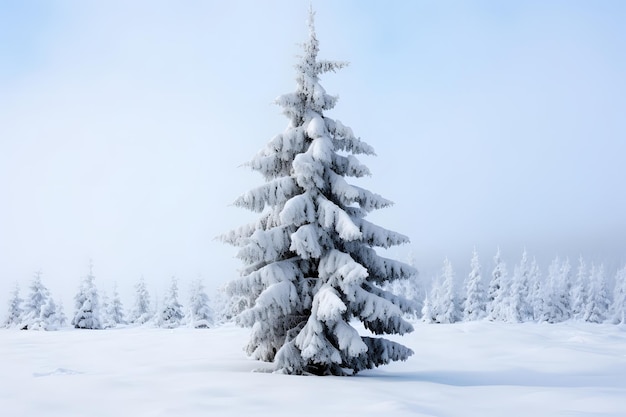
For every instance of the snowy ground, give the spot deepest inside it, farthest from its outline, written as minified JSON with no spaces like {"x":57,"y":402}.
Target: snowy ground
{"x":467,"y":369}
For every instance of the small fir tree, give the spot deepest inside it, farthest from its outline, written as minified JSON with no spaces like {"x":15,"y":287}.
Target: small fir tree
{"x":171,"y":313}
{"x":141,"y":312}
{"x":498,"y":291}
{"x":580,"y":291}
{"x":536,"y":297}
{"x":116,"y":309}
{"x":598,"y":300}
{"x":87,"y":304}
{"x":200,"y":314}
{"x":427,"y":313}
{"x":520,"y":309}
{"x":61,"y":317}
{"x":105,"y":307}
{"x":34,"y":305}
{"x":555,"y":307}
{"x":447,"y":307}
{"x":16,"y":311}
{"x":311,"y":267}
{"x":52,"y":317}
{"x":618,"y":309}
{"x":475,"y":304}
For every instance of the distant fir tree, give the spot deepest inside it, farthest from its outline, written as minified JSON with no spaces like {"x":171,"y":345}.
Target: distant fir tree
{"x":87,"y":304}
{"x":427,"y":313}
{"x":475,"y":304}
{"x":115,"y":309}
{"x":520,"y":309}
{"x":229,"y":305}
{"x":618,"y":309}
{"x":34,"y":305}
{"x":200,"y":314}
{"x":412,"y":289}
{"x":445,"y":306}
{"x":52,"y":315}
{"x":16,"y":311}
{"x":555,"y":301}
{"x":537,"y":290}
{"x":105,"y":307}
{"x":497,"y":307}
{"x":580,"y":291}
{"x":311,"y":267}
{"x":141,"y":312}
{"x":171,"y":314}
{"x":61,"y":317}
{"x":598,"y":301}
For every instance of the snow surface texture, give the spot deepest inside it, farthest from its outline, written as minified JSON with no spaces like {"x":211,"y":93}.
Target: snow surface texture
{"x":465,"y":369}
{"x":310,"y":267}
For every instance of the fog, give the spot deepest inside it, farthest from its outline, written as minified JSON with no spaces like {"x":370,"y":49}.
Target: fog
{"x":123,"y":128}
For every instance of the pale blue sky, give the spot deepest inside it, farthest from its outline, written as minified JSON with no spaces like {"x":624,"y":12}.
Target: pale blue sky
{"x":122,"y":128}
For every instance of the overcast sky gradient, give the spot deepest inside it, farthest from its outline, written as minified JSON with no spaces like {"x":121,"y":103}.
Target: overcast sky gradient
{"x":123,"y":126}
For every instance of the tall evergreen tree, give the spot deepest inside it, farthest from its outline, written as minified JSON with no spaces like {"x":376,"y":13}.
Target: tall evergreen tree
{"x":87,"y":304}
{"x":475,"y":304}
{"x":311,"y":267}
{"x":16,"y":309}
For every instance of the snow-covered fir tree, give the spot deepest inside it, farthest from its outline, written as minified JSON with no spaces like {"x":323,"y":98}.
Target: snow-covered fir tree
{"x":16,"y":311}
{"x":444,"y":301}
{"x":497,"y":307}
{"x":34,"y":304}
{"x":555,"y":301}
{"x":310,"y":263}
{"x":536,"y":296}
{"x":580,"y":291}
{"x":200,"y":314}
{"x":228,"y":305}
{"x":141,"y":311}
{"x":87,"y":304}
{"x":105,"y":307}
{"x":618,"y":308}
{"x":412,"y":289}
{"x":520,"y":309}
{"x":52,"y":316}
{"x":171,"y":313}
{"x":61,"y":317}
{"x":475,"y":304}
{"x":115,"y":309}
{"x":427,"y":313}
{"x":597,"y":306}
